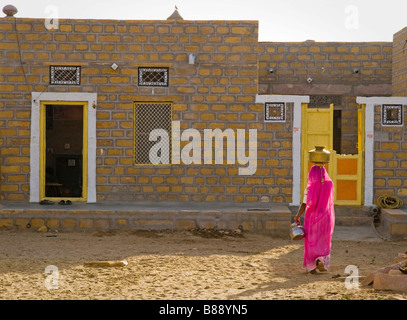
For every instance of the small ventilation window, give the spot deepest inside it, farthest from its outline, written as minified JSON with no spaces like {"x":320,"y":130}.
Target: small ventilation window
{"x":153,"y":77}
{"x":324,"y":101}
{"x":65,"y":75}
{"x":274,"y":111}
{"x":392,"y":115}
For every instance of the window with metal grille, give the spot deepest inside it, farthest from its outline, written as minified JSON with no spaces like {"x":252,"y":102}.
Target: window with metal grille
{"x":66,"y":75}
{"x":153,"y":77}
{"x":152,"y":122}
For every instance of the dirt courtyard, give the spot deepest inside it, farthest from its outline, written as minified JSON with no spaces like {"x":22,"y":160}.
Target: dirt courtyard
{"x":181,"y":265}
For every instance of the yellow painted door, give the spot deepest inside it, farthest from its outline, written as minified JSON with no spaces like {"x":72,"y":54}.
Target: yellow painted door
{"x":317,"y":130}
{"x":348,"y":169}
{"x":346,"y":179}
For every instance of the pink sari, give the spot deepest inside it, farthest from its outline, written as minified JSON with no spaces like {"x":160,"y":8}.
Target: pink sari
{"x":319,"y":218}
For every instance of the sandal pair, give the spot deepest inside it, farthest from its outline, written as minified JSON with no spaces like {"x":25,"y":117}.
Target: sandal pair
{"x":63,"y":202}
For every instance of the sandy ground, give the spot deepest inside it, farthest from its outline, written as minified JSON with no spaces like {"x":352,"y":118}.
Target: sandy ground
{"x":182,"y":265}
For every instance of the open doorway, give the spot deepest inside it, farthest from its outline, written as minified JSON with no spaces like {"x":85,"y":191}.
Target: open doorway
{"x":319,"y":126}
{"x":63,"y":151}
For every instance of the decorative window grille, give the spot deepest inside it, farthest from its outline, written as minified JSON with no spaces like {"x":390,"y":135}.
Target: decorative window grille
{"x":153,"y":77}
{"x":274,"y":111}
{"x":65,"y":75}
{"x":392,"y":114}
{"x":149,"y":116}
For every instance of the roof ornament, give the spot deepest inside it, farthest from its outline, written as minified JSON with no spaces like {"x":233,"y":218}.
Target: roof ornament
{"x":175,"y":15}
{"x":10,"y":10}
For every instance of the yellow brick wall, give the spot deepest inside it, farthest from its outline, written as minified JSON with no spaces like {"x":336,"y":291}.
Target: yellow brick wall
{"x":218,"y":91}
{"x":400,"y":63}
{"x":390,"y":157}
{"x":331,"y":66}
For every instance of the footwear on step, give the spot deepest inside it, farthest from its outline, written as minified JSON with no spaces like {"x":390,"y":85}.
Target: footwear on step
{"x":46,"y":202}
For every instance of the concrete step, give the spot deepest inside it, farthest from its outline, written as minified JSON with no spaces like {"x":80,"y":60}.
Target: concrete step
{"x":353,"y":215}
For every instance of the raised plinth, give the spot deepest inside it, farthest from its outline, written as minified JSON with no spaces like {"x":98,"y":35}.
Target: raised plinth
{"x":149,"y":216}
{"x":393,"y":223}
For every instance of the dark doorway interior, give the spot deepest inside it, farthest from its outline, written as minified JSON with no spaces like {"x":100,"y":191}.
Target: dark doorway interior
{"x":337,"y":131}
{"x":64,"y":145}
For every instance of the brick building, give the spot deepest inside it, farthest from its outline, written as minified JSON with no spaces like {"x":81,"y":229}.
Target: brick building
{"x":78,"y":105}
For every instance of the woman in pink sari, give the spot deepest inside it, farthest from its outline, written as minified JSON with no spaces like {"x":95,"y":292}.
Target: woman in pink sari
{"x":319,"y":219}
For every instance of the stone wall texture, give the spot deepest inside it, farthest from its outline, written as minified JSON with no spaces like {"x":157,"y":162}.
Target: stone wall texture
{"x":217,"y":91}
{"x":390,"y":157}
{"x":337,"y":69}
{"x":400,"y":63}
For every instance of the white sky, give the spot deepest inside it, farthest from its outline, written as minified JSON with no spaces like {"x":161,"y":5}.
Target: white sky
{"x":279,"y":20}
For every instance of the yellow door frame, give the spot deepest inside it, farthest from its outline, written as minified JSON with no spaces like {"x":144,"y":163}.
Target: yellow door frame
{"x":361,"y":150}
{"x":43,"y":105}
